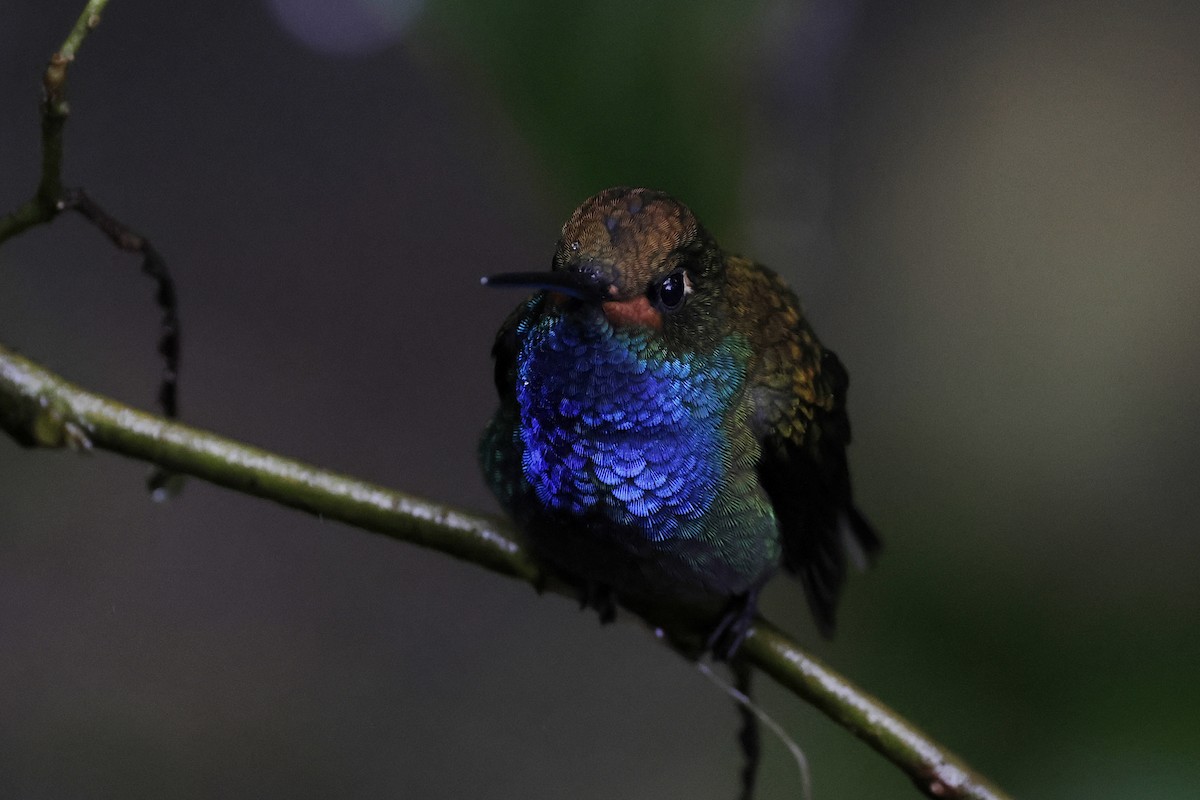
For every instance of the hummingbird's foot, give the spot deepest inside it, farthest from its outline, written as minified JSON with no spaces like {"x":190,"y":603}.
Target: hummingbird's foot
{"x":600,"y":597}
{"x":734,"y":626}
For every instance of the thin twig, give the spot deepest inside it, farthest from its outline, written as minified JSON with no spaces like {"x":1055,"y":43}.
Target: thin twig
{"x":38,"y":408}
{"x":51,"y":198}
{"x":154,"y":266}
{"x":46,"y":203}
{"x":741,"y":696}
{"x":749,"y":737}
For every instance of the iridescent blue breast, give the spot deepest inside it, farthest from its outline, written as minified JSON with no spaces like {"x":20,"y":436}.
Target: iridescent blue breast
{"x":612,"y":423}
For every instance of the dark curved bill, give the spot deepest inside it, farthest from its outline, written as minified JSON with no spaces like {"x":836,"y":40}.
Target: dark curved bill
{"x":572,"y":284}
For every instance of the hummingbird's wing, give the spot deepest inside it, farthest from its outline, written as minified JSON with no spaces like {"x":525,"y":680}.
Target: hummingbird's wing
{"x":499,"y":454}
{"x":799,"y":393}
{"x":808,"y":480}
{"x":507,"y":345}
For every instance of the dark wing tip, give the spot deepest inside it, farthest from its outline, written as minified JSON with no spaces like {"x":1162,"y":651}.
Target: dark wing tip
{"x":862,"y":538}
{"x":809,"y":486}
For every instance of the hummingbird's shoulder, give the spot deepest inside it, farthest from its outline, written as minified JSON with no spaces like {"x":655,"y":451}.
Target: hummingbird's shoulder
{"x":798,"y":390}
{"x":786,"y":374}
{"x":507,"y":345}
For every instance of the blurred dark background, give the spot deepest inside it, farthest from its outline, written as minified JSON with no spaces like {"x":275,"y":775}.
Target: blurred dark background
{"x":991,"y":210}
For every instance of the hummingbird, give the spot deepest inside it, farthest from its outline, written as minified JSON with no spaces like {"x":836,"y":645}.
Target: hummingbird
{"x":669,"y":425}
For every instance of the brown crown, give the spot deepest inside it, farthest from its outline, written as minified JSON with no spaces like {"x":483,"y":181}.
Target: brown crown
{"x":625,"y":236}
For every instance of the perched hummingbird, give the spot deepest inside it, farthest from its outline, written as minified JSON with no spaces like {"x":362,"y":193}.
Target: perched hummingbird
{"x":669,"y":424}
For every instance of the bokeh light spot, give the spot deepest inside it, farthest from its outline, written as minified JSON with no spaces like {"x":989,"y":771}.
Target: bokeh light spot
{"x":345,"y":27}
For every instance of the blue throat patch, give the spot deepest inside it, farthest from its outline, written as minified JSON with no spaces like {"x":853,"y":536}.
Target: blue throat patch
{"x":613,"y":424}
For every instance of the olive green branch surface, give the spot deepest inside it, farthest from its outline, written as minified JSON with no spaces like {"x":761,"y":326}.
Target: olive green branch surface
{"x":41,"y":409}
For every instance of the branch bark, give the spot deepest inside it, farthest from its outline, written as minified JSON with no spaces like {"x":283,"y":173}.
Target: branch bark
{"x":41,"y":409}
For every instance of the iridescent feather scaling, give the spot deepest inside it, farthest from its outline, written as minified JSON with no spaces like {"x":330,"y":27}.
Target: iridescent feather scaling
{"x":669,"y":425}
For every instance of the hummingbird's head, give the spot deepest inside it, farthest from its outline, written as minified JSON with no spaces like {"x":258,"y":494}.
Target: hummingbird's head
{"x":639,"y":254}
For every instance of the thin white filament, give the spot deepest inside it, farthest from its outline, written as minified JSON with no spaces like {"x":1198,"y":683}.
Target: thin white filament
{"x":771,"y":725}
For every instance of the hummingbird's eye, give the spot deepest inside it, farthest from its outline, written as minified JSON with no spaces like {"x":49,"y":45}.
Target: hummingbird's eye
{"x":671,"y":291}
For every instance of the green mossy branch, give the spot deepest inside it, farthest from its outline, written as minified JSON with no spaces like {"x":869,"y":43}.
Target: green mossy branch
{"x":40,"y":409}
